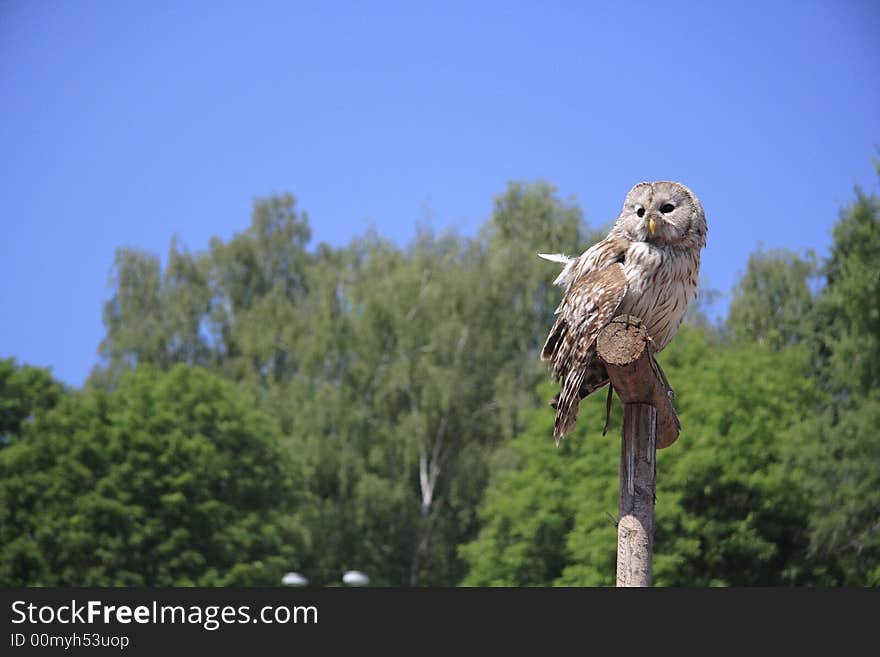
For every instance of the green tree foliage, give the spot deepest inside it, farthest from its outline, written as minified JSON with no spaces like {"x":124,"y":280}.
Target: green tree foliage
{"x":773,"y":301}
{"x":774,"y":479}
{"x":848,"y":317}
{"x":542,"y":501}
{"x":519,"y":299}
{"x":266,"y":405}
{"x":727,"y":510}
{"x":154,"y":317}
{"x":25,"y":392}
{"x":392,"y":371}
{"x":421,"y":395}
{"x":838,"y":449}
{"x":171,"y":479}
{"x":836,"y":456}
{"x":259,"y":282}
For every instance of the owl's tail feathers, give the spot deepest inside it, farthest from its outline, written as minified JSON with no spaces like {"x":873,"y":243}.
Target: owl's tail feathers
{"x":554,"y":341}
{"x":567,"y":403}
{"x":592,"y":377}
{"x":560,"y":348}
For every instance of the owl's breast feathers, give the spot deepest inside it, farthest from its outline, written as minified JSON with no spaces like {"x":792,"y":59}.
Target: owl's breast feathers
{"x":661,"y":282}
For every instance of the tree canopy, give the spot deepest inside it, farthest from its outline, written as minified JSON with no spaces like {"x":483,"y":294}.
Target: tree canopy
{"x":268,"y":405}
{"x":171,"y":479}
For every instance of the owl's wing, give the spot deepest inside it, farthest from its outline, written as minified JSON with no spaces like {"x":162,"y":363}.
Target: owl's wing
{"x":589,"y":304}
{"x":589,"y":301}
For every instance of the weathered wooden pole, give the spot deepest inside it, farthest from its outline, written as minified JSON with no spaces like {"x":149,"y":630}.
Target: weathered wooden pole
{"x":649,"y":423}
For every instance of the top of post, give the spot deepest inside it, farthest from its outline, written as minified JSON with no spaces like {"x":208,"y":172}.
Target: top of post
{"x":625,"y":348}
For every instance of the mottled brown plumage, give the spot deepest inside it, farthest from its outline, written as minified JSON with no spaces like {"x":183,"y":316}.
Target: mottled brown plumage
{"x":647,"y":267}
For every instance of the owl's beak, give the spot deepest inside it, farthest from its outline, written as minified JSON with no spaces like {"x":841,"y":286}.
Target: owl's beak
{"x":652,"y":226}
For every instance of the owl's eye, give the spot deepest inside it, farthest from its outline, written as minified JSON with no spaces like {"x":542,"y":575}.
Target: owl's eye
{"x":641,"y":212}
{"x":667,"y":208}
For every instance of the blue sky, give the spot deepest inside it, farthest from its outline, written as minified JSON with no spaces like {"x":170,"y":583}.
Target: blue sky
{"x":125,"y":123}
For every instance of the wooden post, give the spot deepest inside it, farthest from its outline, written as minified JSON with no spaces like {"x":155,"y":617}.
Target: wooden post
{"x":649,"y":423}
{"x":635,"y":528}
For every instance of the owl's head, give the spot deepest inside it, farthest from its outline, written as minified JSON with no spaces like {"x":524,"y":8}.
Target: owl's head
{"x":663,"y":213}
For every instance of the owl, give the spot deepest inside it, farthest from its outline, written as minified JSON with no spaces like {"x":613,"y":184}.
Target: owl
{"x":647,"y":267}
